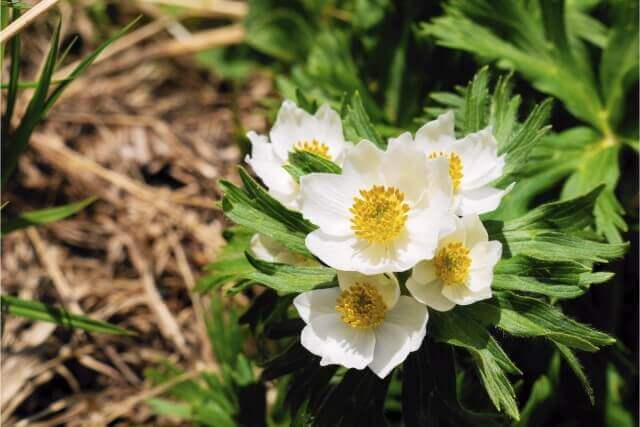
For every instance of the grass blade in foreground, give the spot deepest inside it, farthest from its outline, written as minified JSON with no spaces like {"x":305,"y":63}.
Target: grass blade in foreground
{"x":38,"y":311}
{"x":43,"y":216}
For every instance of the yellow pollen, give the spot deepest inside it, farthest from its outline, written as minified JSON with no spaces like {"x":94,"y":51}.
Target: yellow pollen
{"x":313,"y":147}
{"x":455,"y":166}
{"x":452,"y":263}
{"x":379,"y":214}
{"x":361,"y":306}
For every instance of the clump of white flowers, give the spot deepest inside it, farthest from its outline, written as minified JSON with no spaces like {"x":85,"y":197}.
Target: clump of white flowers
{"x":413,"y":206}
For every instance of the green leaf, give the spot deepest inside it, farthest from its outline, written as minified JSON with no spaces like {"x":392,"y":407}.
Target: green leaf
{"x":573,"y":362}
{"x":619,"y":63}
{"x":44,"y":216}
{"x":286,"y":279}
{"x":574,"y":214}
{"x":302,"y":163}
{"x":358,"y":126}
{"x":459,"y":328}
{"x":261,"y":213}
{"x":530,"y":317}
{"x":167,"y":407}
{"x":554,"y":279}
{"x":35,"y":310}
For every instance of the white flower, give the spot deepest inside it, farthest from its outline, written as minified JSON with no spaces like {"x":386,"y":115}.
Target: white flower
{"x":473,"y":163}
{"x":267,"y":249}
{"x":364,"y":322}
{"x":384,"y":213}
{"x":462,"y":270}
{"x":295,"y":129}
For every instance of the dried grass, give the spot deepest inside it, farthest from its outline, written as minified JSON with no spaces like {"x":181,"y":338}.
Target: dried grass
{"x":150,"y":137}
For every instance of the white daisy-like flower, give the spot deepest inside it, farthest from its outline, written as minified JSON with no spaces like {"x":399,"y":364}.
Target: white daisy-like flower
{"x":473,"y":163}
{"x":364,"y":322}
{"x":462,"y":270}
{"x":295,"y":130}
{"x":384,"y":213}
{"x":267,"y":249}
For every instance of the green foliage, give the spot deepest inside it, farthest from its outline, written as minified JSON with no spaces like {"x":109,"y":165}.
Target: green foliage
{"x":35,"y":310}
{"x":43,"y":99}
{"x":547,"y":42}
{"x":254,"y":209}
{"x":230,"y":397}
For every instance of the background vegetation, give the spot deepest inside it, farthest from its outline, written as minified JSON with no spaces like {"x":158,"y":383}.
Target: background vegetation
{"x":132,"y":141}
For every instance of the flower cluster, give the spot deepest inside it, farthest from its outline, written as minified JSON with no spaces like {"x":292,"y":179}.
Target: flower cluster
{"x":413,"y":206}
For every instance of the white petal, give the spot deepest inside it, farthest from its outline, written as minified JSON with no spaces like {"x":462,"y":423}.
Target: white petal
{"x":479,"y":155}
{"x":393,"y":345}
{"x":292,"y":125}
{"x":485,"y":254}
{"x":481,"y":200}
{"x":386,"y":284}
{"x":439,"y":186}
{"x":363,"y":160}
{"x":480,"y":279}
{"x":268,"y":167}
{"x":405,"y":168}
{"x":474,"y":230}
{"x":429,"y":293}
{"x":351,"y":254}
{"x":424,"y":272}
{"x":457,"y":235}
{"x":325,"y":200}
{"x":338,"y":344}
{"x":412,"y":317}
{"x":463,"y":295}
{"x":316,"y":303}
{"x":437,"y":134}
{"x":404,"y":138}
{"x":491,"y":175}
{"x":424,"y":229}
{"x":328,"y":130}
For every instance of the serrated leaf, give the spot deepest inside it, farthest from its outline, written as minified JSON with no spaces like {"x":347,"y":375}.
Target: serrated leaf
{"x":302,"y":163}
{"x":286,"y":279}
{"x":458,"y":328}
{"x":573,"y":362}
{"x":357,"y":125}
{"x":530,"y":317}
{"x":256,"y":210}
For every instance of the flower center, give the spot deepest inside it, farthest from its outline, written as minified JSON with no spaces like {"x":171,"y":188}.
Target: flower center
{"x":452,"y":263}
{"x":455,"y":166}
{"x":379,"y":214}
{"x":313,"y":147}
{"x":361,"y":306}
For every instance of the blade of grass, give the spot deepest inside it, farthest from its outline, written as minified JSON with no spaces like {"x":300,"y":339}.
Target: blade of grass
{"x":84,"y":64}
{"x":30,"y":85}
{"x":14,"y":76}
{"x":43,"y":216}
{"x":35,"y":310}
{"x":35,"y":111}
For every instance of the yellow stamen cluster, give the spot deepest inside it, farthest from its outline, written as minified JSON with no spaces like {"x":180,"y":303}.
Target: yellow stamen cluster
{"x":452,"y":263}
{"x":455,"y":166}
{"x":379,"y":214}
{"x":361,"y":306}
{"x":313,"y":147}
